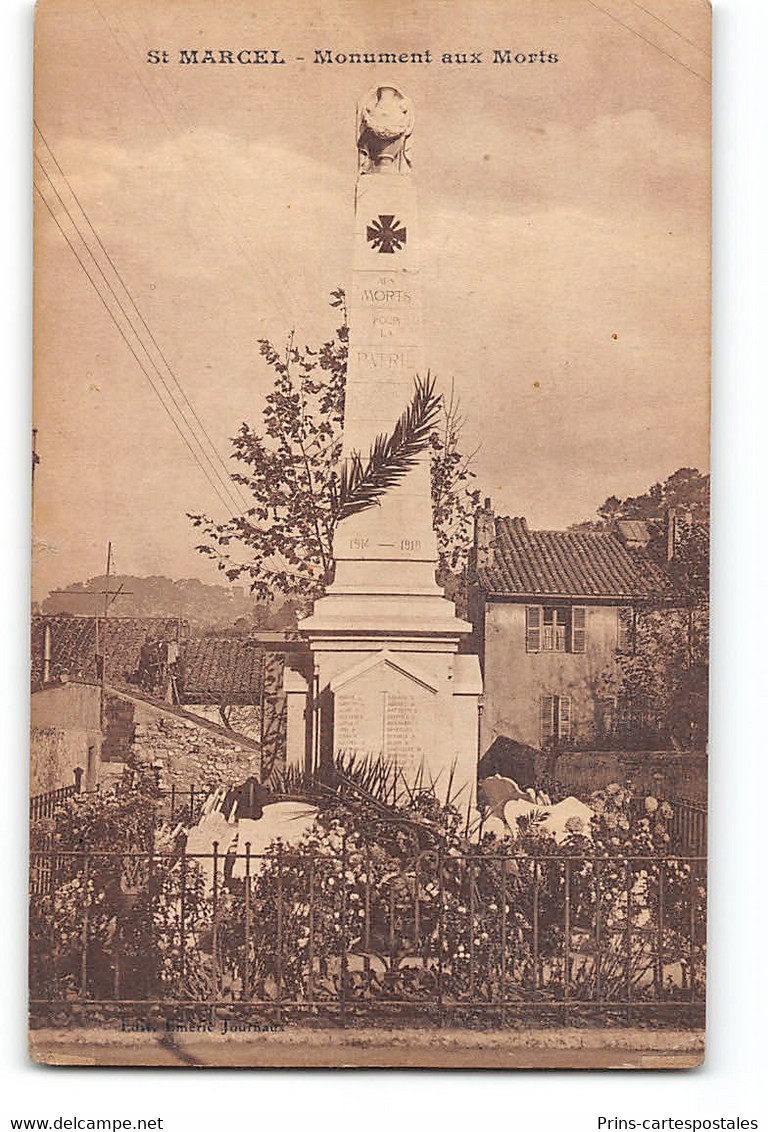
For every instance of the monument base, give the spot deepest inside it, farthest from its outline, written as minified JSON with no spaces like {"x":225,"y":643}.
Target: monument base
{"x":388,"y":682}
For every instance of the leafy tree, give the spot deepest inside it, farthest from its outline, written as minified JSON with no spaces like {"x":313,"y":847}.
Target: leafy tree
{"x":661,"y":683}
{"x":685,"y":491}
{"x":283,"y":543}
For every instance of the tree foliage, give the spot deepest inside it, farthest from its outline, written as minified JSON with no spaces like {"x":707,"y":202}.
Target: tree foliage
{"x":661,"y":683}
{"x":292,"y":472}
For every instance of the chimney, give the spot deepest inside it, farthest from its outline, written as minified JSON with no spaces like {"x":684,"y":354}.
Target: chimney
{"x":485,"y":533}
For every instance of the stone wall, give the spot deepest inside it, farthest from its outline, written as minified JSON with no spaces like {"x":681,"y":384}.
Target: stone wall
{"x":187,"y":752}
{"x":665,"y":774}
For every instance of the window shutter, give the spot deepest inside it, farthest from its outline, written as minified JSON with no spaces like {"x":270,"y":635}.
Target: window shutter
{"x":625,"y":629}
{"x":564,"y":717}
{"x":547,"y":719}
{"x":532,"y":628}
{"x":579,"y":629}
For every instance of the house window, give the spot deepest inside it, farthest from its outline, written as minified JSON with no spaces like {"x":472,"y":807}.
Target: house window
{"x":555,"y":628}
{"x":555,"y":720}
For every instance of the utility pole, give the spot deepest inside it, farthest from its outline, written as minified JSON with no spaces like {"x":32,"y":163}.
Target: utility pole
{"x":100,"y":644}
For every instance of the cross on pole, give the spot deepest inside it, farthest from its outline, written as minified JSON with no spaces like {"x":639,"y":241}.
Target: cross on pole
{"x":110,"y":596}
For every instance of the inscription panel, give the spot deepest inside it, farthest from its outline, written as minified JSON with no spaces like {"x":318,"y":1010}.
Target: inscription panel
{"x":385,"y":712}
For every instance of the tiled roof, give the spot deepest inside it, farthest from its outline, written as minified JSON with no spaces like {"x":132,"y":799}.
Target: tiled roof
{"x":216,"y":666}
{"x":565,"y":563}
{"x":73,"y":644}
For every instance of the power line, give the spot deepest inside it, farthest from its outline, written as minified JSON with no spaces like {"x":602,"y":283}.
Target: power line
{"x":229,"y":483}
{"x":650,"y":42}
{"x":139,"y":362}
{"x":231,"y":497}
{"x":271,"y":281}
{"x":669,"y":26}
{"x":224,"y":482}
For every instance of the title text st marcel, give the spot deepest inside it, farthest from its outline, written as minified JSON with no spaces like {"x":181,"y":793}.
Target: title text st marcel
{"x":270,"y":56}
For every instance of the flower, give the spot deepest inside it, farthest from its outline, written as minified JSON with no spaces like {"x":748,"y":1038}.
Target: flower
{"x":666,"y":810}
{"x":613,"y":788}
{"x":651,"y":804}
{"x":574,"y":824}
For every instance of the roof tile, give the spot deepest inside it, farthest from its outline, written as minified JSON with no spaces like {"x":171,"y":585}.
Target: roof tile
{"x":567,"y":564}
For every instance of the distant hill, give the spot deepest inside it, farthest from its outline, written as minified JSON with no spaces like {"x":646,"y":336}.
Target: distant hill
{"x":207,"y":608}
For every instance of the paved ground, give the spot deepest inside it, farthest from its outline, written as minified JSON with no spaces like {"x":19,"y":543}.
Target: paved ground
{"x":418,"y":1048}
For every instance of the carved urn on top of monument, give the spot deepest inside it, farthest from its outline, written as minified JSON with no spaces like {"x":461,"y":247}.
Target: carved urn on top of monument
{"x":388,"y":678}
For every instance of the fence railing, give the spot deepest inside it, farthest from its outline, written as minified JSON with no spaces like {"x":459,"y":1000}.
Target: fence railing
{"x":346,"y":935}
{"x":45,"y":805}
{"x":687,"y":828}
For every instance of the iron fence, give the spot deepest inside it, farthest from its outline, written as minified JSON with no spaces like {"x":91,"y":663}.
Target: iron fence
{"x":687,"y":828}
{"x":45,"y":805}
{"x":346,"y":935}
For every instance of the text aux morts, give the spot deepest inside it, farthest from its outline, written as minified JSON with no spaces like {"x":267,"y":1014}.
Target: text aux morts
{"x":270,"y":55}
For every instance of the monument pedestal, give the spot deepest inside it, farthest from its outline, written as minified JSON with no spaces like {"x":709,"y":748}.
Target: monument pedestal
{"x":389,"y":682}
{"x":387,"y":678}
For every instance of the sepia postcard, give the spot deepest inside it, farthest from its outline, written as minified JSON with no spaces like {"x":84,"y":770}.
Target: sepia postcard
{"x":371,"y":534}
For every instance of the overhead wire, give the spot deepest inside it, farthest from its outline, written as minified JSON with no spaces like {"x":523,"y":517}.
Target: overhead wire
{"x":650,"y":42}
{"x":227,"y":503}
{"x":143,"y":321}
{"x":231,"y":498}
{"x":273,"y":284}
{"x":658,"y":19}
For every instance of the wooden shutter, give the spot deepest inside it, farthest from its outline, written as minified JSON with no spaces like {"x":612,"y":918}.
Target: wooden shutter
{"x":547,"y":719}
{"x":532,"y":628}
{"x":579,"y":629}
{"x":563,"y":717}
{"x":560,"y":627}
{"x":625,"y":641}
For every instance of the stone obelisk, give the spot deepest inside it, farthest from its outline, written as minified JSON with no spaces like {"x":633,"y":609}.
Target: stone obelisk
{"x":387,"y":676}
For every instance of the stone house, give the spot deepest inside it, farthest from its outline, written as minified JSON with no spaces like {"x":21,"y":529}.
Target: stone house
{"x":551,"y":610}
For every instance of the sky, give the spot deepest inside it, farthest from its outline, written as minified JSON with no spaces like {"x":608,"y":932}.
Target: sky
{"x":564,"y":226}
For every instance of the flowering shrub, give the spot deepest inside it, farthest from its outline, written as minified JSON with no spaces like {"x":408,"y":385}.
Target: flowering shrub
{"x":384,"y":906}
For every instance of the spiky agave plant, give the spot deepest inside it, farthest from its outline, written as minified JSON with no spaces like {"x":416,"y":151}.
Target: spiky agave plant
{"x":391,"y":457}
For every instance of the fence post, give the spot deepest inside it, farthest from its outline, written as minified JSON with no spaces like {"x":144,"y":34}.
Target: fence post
{"x":343,"y":935}
{"x":598,"y":934}
{"x":440,"y":934}
{"x":471,"y":927}
{"x":182,"y":915}
{"x":215,"y":928}
{"x":566,"y":938}
{"x":692,"y":952}
{"x":279,"y":969}
{"x":503,"y":914}
{"x":629,"y":880}
{"x":247,"y":941}
{"x":84,"y":929}
{"x":660,"y":935}
{"x":535,"y":919}
{"x":311,"y":925}
{"x":367,"y":929}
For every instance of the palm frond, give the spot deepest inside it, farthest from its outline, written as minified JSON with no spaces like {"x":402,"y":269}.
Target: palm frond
{"x":391,"y":457}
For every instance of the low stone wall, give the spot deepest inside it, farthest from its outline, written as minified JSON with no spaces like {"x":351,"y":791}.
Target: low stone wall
{"x":666,"y":774}
{"x":187,"y":752}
